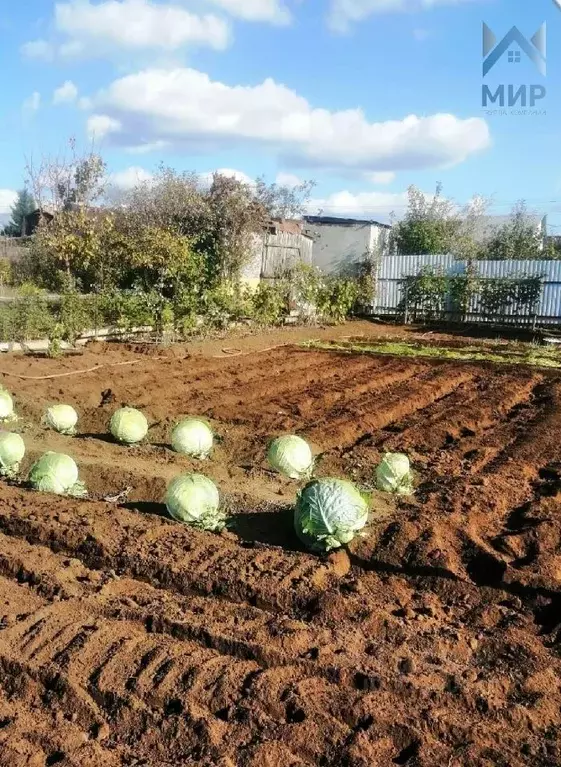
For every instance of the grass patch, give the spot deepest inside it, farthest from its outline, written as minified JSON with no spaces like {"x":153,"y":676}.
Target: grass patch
{"x":533,"y":356}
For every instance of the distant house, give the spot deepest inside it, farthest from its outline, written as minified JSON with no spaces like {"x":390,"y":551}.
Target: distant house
{"x":487,"y":226}
{"x":32,"y":220}
{"x":341,"y":244}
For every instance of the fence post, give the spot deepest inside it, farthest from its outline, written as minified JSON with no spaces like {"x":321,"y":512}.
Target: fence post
{"x":406,"y":298}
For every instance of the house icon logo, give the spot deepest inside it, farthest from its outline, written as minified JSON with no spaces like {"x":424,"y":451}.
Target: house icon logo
{"x":513,"y":45}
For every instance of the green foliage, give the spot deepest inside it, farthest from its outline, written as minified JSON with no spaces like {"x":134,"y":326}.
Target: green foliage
{"x":517,"y":239}
{"x":125,"y":310}
{"x":429,"y":226}
{"x":510,"y":354}
{"x":270,"y":303}
{"x":425,"y":293}
{"x":520,"y":294}
{"x":432,"y":295}
{"x":337,"y":299}
{"x":74,"y":316}
{"x":220,"y":221}
{"x":24,"y":205}
{"x":6,"y":272}
{"x":30,"y":315}
{"x":223,"y":303}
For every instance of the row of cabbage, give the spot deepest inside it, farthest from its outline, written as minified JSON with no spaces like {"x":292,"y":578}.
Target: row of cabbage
{"x":328,"y":513}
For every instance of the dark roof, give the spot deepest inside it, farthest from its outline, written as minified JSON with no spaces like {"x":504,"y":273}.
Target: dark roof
{"x":333,"y":220}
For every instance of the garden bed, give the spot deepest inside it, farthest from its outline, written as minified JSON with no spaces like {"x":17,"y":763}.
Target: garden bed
{"x":127,"y":639}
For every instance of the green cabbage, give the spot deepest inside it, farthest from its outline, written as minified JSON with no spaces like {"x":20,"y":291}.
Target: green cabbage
{"x":192,"y":437}
{"x":56,"y":473}
{"x":194,"y":499}
{"x":292,"y":456}
{"x":394,"y":475}
{"x":6,"y":405}
{"x":62,"y":418}
{"x":128,"y":426}
{"x":12,"y":452}
{"x":328,"y":513}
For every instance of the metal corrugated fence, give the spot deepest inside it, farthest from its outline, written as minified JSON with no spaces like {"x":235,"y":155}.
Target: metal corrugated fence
{"x":393,"y":269}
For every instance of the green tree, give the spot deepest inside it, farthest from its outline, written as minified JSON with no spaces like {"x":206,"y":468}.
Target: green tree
{"x":518,"y":238}
{"x":23,"y":205}
{"x":438,"y":225}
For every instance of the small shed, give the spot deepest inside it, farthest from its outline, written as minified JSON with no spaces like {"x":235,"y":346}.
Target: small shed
{"x":341,"y":244}
{"x":282,"y":244}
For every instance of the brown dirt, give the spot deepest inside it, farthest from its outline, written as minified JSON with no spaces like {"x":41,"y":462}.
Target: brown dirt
{"x":127,"y":639}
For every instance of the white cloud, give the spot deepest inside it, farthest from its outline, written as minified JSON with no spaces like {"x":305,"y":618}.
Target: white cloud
{"x":289,"y":180}
{"x":382,"y":177}
{"x":343,"y":13}
{"x":38,"y":49}
{"x":93,"y":30}
{"x":66,"y":94}
{"x":7,"y":199}
{"x":33,"y":103}
{"x":365,"y":205}
{"x":84,"y":103}
{"x":99,"y":126}
{"x":184,"y":109}
{"x":129,"y":178}
{"x":239,"y":175}
{"x":272,"y":11}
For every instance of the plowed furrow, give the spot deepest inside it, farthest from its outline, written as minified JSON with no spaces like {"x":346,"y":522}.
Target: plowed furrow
{"x":488,"y":425}
{"x":118,"y":542}
{"x":232,"y":629}
{"x":122,"y":687}
{"x":313,"y":402}
{"x":201,"y":392}
{"x":27,"y":738}
{"x":472,"y":409}
{"x":297,"y":367}
{"x":376,"y":410}
{"x":293,"y":388}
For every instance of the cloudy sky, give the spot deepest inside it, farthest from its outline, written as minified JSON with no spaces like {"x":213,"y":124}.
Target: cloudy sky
{"x":363,"y":96}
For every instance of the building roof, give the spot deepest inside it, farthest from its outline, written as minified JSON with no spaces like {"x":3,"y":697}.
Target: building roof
{"x":334,"y":221}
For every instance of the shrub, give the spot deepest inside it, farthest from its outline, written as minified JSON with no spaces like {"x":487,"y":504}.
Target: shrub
{"x":270,"y":303}
{"x":30,"y":316}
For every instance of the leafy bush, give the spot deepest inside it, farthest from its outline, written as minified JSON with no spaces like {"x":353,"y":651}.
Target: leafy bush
{"x":338,"y":299}
{"x":29,"y":315}
{"x":269,"y":303}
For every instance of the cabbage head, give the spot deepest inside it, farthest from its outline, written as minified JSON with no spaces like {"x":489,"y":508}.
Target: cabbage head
{"x":56,"y":473}
{"x":328,"y":513}
{"x":194,"y":499}
{"x":192,"y":437}
{"x":128,"y":426}
{"x":62,"y":418}
{"x":6,"y":405}
{"x":291,"y":456}
{"x":12,"y":452}
{"x":394,"y":475}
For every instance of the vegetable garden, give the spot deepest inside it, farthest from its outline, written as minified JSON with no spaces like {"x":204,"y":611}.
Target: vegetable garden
{"x":193,"y":587}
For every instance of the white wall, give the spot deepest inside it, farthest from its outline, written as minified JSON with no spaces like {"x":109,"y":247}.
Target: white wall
{"x":338,"y":247}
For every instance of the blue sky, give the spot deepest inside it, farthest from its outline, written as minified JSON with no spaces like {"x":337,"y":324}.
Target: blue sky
{"x":363,"y":96}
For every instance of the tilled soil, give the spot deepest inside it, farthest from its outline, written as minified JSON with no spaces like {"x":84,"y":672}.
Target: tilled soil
{"x":128,"y":639}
